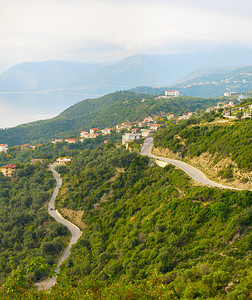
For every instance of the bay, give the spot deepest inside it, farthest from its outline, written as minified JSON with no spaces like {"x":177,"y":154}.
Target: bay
{"x":23,"y":107}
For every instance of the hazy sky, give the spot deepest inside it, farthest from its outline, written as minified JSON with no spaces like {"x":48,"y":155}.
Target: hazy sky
{"x":108,"y":30}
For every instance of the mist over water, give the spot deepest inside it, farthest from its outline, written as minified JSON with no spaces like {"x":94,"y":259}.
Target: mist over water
{"x":20,"y":108}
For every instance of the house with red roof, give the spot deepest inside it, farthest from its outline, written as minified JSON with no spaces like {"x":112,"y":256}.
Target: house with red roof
{"x":3,"y":147}
{"x":155,"y":126}
{"x":71,"y":141}
{"x":106,"y":131}
{"x":57,"y":141}
{"x":94,"y":130}
{"x":172,"y":93}
{"x":8,"y":170}
{"x":25,"y":147}
{"x":126,"y":125}
{"x":84,"y":134}
{"x":135,"y":130}
{"x":148,"y":120}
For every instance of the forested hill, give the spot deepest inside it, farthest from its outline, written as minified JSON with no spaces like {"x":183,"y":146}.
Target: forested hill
{"x":220,"y":148}
{"x":150,"y":233}
{"x":192,"y":138}
{"x":106,"y":111}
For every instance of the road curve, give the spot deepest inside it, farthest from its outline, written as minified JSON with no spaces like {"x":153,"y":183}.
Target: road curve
{"x":193,"y":172}
{"x":75,"y":231}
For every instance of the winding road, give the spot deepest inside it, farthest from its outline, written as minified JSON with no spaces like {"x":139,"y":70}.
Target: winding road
{"x":75,"y":231}
{"x":193,"y":172}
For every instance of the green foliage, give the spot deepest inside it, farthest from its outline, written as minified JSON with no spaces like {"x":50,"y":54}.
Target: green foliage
{"x":21,"y":278}
{"x":25,"y":227}
{"x":239,"y":115}
{"x":142,"y":217}
{"x":106,"y":111}
{"x":227,"y":172}
{"x":191,"y":139}
{"x":150,"y":233}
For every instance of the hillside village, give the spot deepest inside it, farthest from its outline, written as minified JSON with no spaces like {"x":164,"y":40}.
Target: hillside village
{"x":232,"y":82}
{"x":133,"y":131}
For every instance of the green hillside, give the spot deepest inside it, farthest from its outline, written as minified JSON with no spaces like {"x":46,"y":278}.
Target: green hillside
{"x":193,"y":137}
{"x":26,"y":230}
{"x":106,"y":111}
{"x":151,"y":234}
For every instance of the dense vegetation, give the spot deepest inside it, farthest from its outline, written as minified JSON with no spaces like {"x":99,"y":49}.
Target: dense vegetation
{"x":50,"y":152}
{"x":106,"y":111}
{"x":150,"y":233}
{"x":191,"y":138}
{"x":26,"y":230}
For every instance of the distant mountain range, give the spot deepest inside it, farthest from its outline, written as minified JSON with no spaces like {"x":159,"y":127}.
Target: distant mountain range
{"x":209,"y":82}
{"x":128,"y":73}
{"x":47,"y":88}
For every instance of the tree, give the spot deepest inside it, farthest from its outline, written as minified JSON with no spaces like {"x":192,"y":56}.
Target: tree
{"x":239,"y":115}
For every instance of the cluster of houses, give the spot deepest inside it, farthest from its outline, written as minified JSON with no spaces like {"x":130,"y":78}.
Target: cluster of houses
{"x":132,"y":131}
{"x":230,"y":104}
{"x":136,"y":130}
{"x":186,"y":116}
{"x":230,"y":109}
{"x":143,"y":129}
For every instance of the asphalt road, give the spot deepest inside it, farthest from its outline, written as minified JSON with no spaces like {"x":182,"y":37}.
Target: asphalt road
{"x":75,"y":231}
{"x":193,"y":172}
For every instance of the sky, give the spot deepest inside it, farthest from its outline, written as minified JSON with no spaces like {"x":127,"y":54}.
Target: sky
{"x":109,"y":30}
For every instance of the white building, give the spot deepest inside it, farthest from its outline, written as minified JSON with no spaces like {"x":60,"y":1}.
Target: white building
{"x":130,"y":137}
{"x":106,"y":131}
{"x":92,"y":131}
{"x":170,"y":116}
{"x":172,"y":93}
{"x":64,"y":160}
{"x":57,"y":141}
{"x":145,"y":133}
{"x":155,"y":127}
{"x":3,"y":147}
{"x":228,"y":94}
{"x":84,"y":134}
{"x":71,"y":141}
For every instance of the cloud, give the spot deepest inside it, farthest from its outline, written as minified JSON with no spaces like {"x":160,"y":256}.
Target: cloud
{"x":112,"y":29}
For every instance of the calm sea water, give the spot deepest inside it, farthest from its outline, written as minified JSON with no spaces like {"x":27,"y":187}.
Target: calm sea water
{"x":20,"y":108}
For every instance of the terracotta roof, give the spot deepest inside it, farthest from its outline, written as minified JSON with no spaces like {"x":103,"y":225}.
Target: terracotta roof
{"x":95,"y":129}
{"x":156,"y":125}
{"x":9,"y":167}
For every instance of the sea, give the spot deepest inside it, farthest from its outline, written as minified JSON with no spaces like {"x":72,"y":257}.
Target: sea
{"x":23,"y":107}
